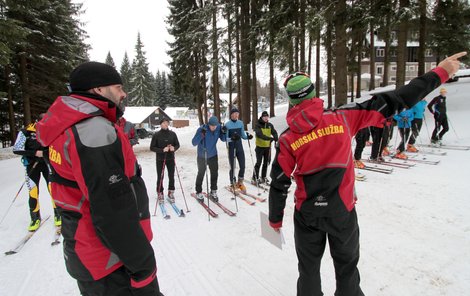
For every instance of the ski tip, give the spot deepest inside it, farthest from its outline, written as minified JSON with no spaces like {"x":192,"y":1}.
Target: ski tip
{"x":54,"y":243}
{"x":167,"y":217}
{"x":10,"y":253}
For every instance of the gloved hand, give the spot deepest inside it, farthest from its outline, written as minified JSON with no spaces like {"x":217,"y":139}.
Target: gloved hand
{"x":203,"y":131}
{"x":235,"y":137}
{"x":250,"y":136}
{"x":223,"y":129}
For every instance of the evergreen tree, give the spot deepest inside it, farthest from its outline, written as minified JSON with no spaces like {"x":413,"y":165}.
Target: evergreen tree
{"x":126,"y":75}
{"x":109,"y":60}
{"x":141,"y":91}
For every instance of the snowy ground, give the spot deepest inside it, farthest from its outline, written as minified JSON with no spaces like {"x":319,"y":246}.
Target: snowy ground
{"x":415,"y":229}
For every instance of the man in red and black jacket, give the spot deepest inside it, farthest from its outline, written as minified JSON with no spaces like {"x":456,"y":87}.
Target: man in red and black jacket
{"x":316,"y":150}
{"x":98,"y":186}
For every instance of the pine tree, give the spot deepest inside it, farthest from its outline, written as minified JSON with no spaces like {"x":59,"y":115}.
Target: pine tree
{"x":109,"y":60}
{"x":141,"y":91}
{"x":126,"y":74}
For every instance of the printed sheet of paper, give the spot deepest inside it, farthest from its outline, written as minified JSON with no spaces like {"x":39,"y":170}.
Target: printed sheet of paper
{"x":272,"y":236}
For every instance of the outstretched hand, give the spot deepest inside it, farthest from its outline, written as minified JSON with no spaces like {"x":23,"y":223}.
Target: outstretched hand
{"x":452,"y":64}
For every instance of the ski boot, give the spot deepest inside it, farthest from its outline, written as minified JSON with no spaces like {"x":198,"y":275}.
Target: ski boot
{"x":160,"y":198}
{"x":411,"y":148}
{"x":200,"y":197}
{"x":57,"y":221}
{"x":171,"y":196}
{"x":401,"y":155}
{"x":213,"y":196}
{"x":385,"y":152}
{"x":240,"y":186}
{"x":359,"y":164}
{"x":35,"y":222}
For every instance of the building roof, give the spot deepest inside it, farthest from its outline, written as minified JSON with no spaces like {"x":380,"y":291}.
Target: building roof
{"x":176,"y":112}
{"x":138,"y":114}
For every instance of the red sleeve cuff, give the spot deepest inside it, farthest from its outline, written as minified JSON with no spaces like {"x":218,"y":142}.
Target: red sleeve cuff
{"x":443,"y":75}
{"x":275,"y":225}
{"x":144,"y":282}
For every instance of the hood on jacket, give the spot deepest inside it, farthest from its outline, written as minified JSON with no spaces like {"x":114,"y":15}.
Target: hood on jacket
{"x":66,"y":111}
{"x":305,"y":116}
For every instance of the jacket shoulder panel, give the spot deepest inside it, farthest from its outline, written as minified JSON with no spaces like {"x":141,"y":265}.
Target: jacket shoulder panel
{"x":96,"y":132}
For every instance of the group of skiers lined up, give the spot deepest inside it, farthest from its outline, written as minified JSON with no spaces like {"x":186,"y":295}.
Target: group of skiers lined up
{"x":165,"y":143}
{"x":103,"y":199}
{"x":409,"y":123}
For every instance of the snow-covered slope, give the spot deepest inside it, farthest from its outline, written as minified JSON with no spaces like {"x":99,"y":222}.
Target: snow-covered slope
{"x":415,"y":229}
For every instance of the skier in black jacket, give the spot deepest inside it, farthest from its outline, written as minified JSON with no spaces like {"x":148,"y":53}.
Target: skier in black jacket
{"x":165,"y":143}
{"x":265,"y":134}
{"x":438,"y":108}
{"x":33,"y":159}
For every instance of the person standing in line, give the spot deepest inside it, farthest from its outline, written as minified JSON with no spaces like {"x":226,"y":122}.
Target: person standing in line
{"x":33,"y":158}
{"x":97,"y":184}
{"x":205,"y":139}
{"x":265,"y":134}
{"x":129,"y":130}
{"x":438,"y":108}
{"x":404,"y":120}
{"x":416,"y":124}
{"x":236,"y":132}
{"x":361,"y":138}
{"x":165,"y":143}
{"x":316,"y":150}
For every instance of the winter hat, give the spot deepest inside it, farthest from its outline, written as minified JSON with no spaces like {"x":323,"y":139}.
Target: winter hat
{"x":299,"y":87}
{"x":93,"y":74}
{"x":164,"y":119}
{"x":234,"y":109}
{"x":213,"y":121}
{"x":265,"y":113}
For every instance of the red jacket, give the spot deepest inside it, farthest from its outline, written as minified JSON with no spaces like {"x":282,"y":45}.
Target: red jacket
{"x":316,"y":149}
{"x":97,"y":185}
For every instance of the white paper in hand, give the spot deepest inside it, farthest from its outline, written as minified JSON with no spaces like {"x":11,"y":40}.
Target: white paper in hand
{"x":272,"y":236}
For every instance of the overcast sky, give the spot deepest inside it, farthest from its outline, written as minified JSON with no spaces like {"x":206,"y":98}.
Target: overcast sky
{"x":112,"y":25}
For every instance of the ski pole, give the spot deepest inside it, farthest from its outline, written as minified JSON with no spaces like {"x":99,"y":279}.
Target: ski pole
{"x":207,"y":179}
{"x":161,"y":183}
{"x":181,"y":185}
{"x":253,"y":164}
{"x":450,"y":122}
{"x":18,"y":193}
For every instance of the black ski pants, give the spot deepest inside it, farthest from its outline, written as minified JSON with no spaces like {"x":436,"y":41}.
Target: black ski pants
{"x":416,"y":125}
{"x":170,"y":166}
{"x":213,"y":164}
{"x":342,"y":233}
{"x":263,"y":155}
{"x":404,"y":134}
{"x":117,"y":283}
{"x":440,"y":121}
{"x":235,"y":150}
{"x":361,"y":138}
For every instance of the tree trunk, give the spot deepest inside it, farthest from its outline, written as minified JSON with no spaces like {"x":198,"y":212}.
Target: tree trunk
{"x":245,"y":61}
{"x":422,"y":37}
{"x":401,"y":47}
{"x":303,"y":66}
{"x":317,"y":65}
{"x":359,"y":58}
{"x":238,"y":59}
{"x":329,"y":62}
{"x":372,"y":58}
{"x":215,"y":62}
{"x":341,"y":53}
{"x":229,"y":52}
{"x":23,"y":73}
{"x":385,"y":77}
{"x":271,"y":82}
{"x":254,"y":89}
{"x":11,"y":110}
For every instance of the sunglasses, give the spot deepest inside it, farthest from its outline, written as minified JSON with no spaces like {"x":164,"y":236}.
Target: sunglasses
{"x":294,"y":75}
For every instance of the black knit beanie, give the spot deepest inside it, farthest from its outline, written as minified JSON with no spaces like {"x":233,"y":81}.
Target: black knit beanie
{"x":93,"y":74}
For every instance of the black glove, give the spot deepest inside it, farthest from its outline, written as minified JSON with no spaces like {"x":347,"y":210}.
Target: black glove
{"x":223,"y":129}
{"x":250,"y":136}
{"x":235,"y":137}
{"x":203,"y":131}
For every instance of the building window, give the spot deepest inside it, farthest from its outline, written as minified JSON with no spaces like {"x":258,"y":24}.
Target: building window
{"x":412,"y":68}
{"x":379,"y":70}
{"x":393,"y":53}
{"x":393,"y":78}
{"x":394,"y":68}
{"x":380,"y":52}
{"x":428,"y":52}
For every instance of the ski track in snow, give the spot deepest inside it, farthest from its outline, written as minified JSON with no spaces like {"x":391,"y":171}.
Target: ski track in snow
{"x":414,"y":223}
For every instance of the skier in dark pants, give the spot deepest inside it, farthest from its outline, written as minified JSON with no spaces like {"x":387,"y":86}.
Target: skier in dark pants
{"x":165,"y":143}
{"x":416,"y":124}
{"x":205,"y":139}
{"x":404,"y":120}
{"x":361,"y":138}
{"x":380,"y":138}
{"x":33,"y":159}
{"x":438,"y":108}
{"x":316,"y":150}
{"x":265,"y":134}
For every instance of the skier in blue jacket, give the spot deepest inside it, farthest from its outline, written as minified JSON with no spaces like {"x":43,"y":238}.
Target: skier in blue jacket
{"x":404,"y":120}
{"x":416,"y":124}
{"x":205,"y":139}
{"x":236,"y":132}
